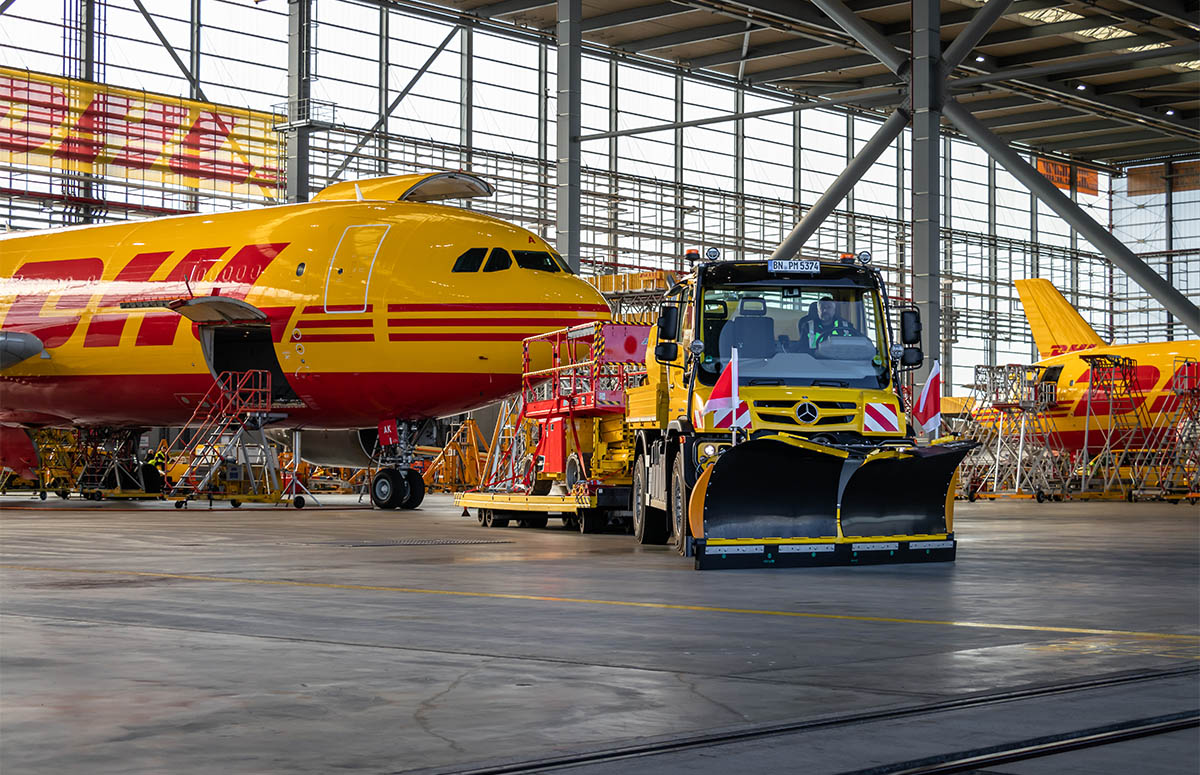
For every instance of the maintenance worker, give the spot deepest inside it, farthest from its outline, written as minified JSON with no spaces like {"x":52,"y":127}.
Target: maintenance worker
{"x":159,"y":458}
{"x":822,"y":322}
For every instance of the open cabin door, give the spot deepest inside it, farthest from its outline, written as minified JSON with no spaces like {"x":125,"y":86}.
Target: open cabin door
{"x":236,"y":336}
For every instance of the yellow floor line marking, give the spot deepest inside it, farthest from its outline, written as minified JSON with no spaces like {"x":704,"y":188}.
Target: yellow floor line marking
{"x":624,"y":603}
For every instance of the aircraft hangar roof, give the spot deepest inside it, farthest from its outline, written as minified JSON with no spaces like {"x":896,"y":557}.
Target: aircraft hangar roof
{"x":1106,"y":82}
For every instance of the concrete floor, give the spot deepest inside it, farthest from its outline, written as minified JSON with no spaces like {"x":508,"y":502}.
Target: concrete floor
{"x":141,"y":639}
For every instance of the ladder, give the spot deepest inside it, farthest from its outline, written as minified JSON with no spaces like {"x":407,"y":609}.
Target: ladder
{"x":227,"y":442}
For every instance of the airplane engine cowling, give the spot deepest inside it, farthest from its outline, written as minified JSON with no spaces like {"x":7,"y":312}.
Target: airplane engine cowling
{"x":348,"y":449}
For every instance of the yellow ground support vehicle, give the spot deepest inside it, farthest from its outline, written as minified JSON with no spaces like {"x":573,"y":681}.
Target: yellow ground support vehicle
{"x":810,"y":460}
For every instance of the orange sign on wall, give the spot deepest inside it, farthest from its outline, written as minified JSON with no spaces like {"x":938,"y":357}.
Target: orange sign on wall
{"x":90,"y":128}
{"x":1059,"y":173}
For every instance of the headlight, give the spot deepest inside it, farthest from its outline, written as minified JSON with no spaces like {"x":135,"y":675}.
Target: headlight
{"x":708,"y":452}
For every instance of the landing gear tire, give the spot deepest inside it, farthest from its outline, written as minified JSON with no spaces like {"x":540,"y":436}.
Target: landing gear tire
{"x":416,"y":489}
{"x":649,"y":523}
{"x":388,"y":489}
{"x":679,"y":507}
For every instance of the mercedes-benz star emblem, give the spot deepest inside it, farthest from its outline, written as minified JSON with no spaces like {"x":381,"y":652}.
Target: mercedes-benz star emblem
{"x":806,"y":413}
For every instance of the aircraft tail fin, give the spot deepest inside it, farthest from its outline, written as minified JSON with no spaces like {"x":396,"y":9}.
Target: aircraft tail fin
{"x":1057,"y":326}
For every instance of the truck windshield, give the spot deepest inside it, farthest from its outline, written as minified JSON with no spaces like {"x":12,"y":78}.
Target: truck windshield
{"x":794,"y":335}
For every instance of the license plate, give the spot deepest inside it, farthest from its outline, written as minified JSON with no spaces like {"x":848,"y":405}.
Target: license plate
{"x":794,"y":265}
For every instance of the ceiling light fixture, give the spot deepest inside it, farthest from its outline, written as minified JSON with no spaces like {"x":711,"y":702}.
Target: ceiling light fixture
{"x":980,"y":58}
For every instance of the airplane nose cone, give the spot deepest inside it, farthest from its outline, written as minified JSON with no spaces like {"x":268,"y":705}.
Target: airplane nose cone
{"x":581,"y":292}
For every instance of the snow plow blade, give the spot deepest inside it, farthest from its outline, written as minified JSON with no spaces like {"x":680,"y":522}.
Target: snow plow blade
{"x":781,"y":501}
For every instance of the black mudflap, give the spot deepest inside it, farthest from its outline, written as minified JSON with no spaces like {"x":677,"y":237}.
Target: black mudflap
{"x":902,"y":496}
{"x":772,"y":555}
{"x":772,"y":489}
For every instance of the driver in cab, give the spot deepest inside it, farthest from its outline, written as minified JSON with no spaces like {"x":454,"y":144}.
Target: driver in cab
{"x":822,"y":322}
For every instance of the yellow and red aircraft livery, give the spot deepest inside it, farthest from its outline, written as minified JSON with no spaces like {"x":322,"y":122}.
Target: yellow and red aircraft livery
{"x":367,"y":303}
{"x":1062,"y":336}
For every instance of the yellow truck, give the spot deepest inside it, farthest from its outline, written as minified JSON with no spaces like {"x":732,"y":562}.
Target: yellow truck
{"x":768,"y":428}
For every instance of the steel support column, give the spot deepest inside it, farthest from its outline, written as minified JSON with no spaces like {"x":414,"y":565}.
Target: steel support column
{"x":570,"y":75}
{"x":466,"y":95}
{"x":840,"y":187}
{"x":927,"y":85}
{"x":543,"y":138}
{"x":382,"y":112}
{"x":1137,"y":269}
{"x":299,"y":59}
{"x":194,"y":50}
{"x":1169,"y":225}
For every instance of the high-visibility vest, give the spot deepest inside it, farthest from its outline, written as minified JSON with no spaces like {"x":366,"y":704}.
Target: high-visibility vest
{"x":838,"y":327}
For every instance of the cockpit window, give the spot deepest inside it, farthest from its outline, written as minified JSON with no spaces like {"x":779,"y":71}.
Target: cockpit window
{"x":470,"y":261}
{"x":535,"y":259}
{"x":562,"y":263}
{"x":498,"y":260}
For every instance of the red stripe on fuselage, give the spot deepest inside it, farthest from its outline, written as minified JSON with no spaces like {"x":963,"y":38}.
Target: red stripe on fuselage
{"x":338,"y":308}
{"x":485,"y":321}
{"x":357,"y":323}
{"x":464,"y":337}
{"x":526,"y":307}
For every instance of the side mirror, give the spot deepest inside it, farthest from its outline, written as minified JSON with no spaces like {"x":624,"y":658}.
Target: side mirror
{"x":668,"y":323}
{"x":910,"y":326}
{"x":666,"y":352}
{"x":912,"y":357}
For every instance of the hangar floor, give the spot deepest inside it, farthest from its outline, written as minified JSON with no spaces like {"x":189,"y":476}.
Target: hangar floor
{"x":140,"y":639}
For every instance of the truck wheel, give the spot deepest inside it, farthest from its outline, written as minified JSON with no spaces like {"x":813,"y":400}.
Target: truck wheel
{"x":679,"y":507}
{"x":388,"y":488}
{"x":481,"y":515}
{"x":649,"y":524}
{"x":416,"y":489}
{"x":591,"y":520}
{"x":491,"y":520}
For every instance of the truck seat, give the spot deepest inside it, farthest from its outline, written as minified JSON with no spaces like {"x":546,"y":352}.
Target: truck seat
{"x":752,"y":332}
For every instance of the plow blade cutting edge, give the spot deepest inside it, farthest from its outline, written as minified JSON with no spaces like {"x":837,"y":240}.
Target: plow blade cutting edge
{"x":779,"y":500}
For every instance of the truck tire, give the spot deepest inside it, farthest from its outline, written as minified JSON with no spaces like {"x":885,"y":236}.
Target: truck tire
{"x":678,"y":501}
{"x":649,"y":524}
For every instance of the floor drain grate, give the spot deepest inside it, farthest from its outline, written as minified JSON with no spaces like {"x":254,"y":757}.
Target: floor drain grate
{"x":409,"y":542}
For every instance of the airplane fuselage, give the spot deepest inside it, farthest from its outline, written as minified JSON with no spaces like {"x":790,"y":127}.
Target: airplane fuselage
{"x":365,"y":318}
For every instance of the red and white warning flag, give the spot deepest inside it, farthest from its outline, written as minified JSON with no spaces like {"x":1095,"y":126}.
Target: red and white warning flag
{"x":928,"y":410}
{"x":728,"y":408}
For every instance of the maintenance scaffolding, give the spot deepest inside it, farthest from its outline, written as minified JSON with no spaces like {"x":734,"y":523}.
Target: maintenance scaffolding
{"x":1019,"y":454}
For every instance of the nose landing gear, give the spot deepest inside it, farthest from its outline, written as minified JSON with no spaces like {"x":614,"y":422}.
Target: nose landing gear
{"x":396,"y":485}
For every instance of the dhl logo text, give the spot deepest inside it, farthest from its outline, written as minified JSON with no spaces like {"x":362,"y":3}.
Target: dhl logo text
{"x":51,"y":297}
{"x":1061,"y":349}
{"x":85,"y":127}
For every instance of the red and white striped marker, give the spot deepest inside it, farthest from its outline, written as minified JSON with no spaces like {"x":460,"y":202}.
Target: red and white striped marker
{"x":880,"y":418}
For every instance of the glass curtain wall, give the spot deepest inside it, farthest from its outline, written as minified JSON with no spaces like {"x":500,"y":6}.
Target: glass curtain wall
{"x":486,"y":103}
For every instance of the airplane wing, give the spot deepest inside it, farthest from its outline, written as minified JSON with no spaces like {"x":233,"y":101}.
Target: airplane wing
{"x":1057,"y":326}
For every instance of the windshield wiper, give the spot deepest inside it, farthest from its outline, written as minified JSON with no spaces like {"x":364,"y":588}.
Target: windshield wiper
{"x":830,"y":383}
{"x":766,"y":381}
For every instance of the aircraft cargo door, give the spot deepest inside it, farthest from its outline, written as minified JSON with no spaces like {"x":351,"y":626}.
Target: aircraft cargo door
{"x":349,"y":275}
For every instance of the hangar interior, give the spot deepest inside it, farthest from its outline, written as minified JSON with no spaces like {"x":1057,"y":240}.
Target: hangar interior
{"x":700,"y":124}
{"x":1059,"y":141}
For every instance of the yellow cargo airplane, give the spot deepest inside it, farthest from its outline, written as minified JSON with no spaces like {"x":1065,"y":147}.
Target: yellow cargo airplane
{"x":366,"y":305}
{"x":1062,"y":336}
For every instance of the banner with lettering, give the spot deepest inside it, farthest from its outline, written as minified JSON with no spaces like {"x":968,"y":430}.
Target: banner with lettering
{"x":80,"y":127}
